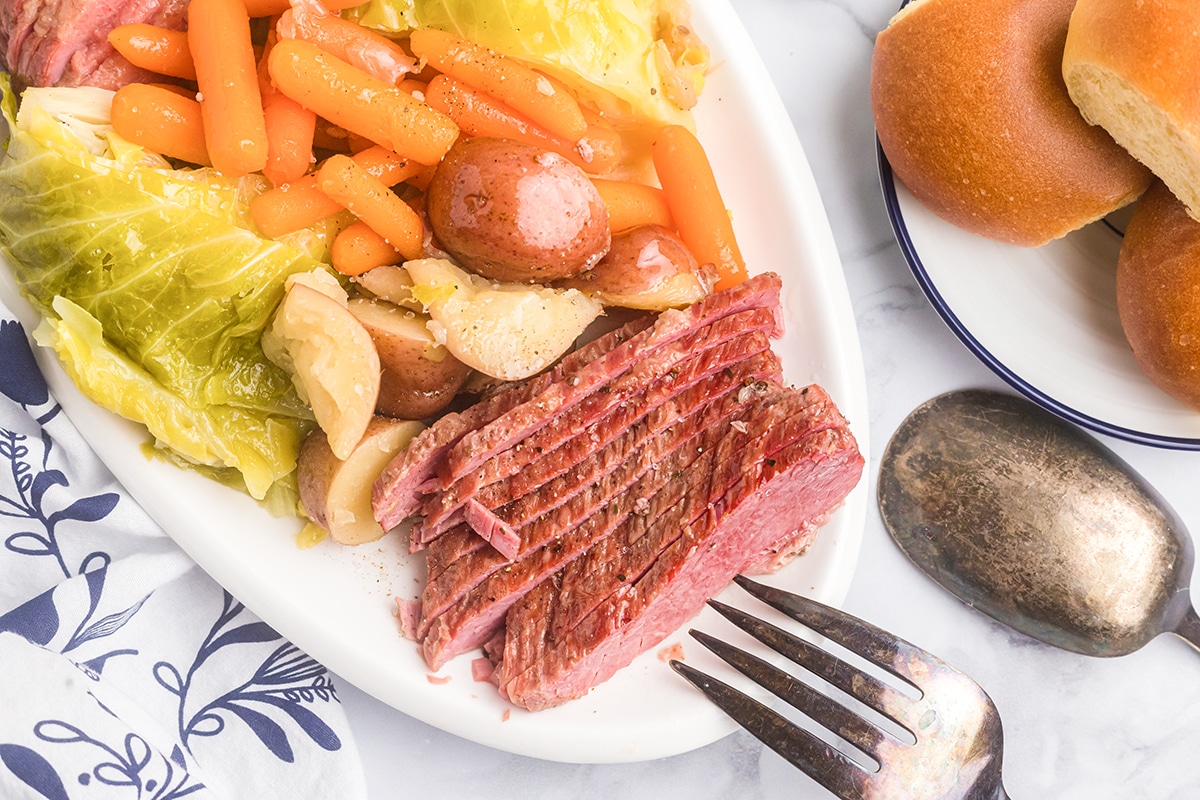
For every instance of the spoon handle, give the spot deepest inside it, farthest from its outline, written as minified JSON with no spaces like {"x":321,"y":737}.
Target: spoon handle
{"x":1189,"y":628}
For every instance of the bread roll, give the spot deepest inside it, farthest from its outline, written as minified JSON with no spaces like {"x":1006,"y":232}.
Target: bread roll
{"x":971,"y":110}
{"x":1158,"y":293}
{"x":1133,"y":67}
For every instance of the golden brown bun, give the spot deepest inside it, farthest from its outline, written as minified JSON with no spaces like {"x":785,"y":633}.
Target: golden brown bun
{"x":1158,"y":293}
{"x":971,"y":110}
{"x":1133,"y":66}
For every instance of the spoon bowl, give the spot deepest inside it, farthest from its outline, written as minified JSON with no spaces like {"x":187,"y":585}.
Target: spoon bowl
{"x":1032,"y":521}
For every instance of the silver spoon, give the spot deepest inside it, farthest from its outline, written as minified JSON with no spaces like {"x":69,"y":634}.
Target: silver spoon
{"x":1030,"y":520}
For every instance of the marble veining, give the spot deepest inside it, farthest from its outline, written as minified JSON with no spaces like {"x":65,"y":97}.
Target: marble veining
{"x":1076,"y":728}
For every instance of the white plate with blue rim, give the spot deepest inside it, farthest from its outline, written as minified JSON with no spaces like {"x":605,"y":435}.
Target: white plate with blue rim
{"x":1044,"y":319}
{"x":338,"y":603}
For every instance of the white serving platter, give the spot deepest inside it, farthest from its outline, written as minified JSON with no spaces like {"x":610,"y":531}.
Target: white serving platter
{"x":338,"y":603}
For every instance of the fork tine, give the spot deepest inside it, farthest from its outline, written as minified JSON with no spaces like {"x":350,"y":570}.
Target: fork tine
{"x":874,"y":644}
{"x":820,"y":708}
{"x":853,"y":681}
{"x":819,"y":761}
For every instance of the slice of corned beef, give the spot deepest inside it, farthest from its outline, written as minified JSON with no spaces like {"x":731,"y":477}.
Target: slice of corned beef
{"x":669,"y":370}
{"x":397,"y":493}
{"x":774,"y":498}
{"x":65,"y":42}
{"x":663,"y":481}
{"x":473,"y":449}
{"x":626,"y":555}
{"x":596,"y":462}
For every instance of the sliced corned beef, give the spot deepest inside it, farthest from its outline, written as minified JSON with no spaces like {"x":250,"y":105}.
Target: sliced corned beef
{"x":776,"y":497}
{"x":669,"y":370}
{"x":649,"y":482}
{"x":626,"y":555}
{"x":603,"y":454}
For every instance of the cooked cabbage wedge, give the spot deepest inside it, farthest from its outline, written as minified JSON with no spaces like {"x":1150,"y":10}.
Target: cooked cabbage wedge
{"x":149,"y":272}
{"x":636,"y":60}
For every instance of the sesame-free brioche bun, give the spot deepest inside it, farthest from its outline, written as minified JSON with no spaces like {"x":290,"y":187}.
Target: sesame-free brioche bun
{"x":972,"y":113}
{"x":1158,"y":293}
{"x":1133,"y":67}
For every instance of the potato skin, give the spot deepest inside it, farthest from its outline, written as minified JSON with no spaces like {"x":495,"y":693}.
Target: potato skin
{"x":648,"y":267}
{"x":418,"y":377}
{"x":513,"y":212}
{"x":638,"y":260}
{"x":1158,"y":293}
{"x":336,"y":493}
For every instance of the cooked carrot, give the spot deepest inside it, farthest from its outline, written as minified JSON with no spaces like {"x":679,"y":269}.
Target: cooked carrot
{"x":226,"y":74}
{"x":266,"y":8}
{"x":695,"y":201}
{"x":360,"y":102}
{"x":600,"y":148}
{"x":511,"y":82}
{"x":349,"y":41}
{"x":156,"y":49}
{"x":479,"y":114}
{"x":422,"y":178}
{"x":373,"y":202}
{"x":302,"y":204}
{"x":632,"y":204}
{"x":358,"y":248}
{"x":290,"y":128}
{"x":291,"y":207}
{"x":160,"y":120}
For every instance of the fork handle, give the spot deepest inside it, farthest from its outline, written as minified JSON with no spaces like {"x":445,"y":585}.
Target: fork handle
{"x":1189,"y":628}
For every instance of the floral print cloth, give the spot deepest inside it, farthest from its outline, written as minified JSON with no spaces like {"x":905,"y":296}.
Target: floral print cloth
{"x":125,"y":671}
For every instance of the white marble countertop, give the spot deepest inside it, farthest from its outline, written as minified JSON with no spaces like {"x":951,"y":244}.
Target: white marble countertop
{"x":1075,"y":727}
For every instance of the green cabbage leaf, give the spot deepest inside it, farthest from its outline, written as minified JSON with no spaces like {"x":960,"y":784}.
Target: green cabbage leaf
{"x":625,"y":56}
{"x":154,"y":289}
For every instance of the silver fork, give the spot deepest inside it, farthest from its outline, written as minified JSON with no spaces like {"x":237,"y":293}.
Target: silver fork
{"x":955,"y":740}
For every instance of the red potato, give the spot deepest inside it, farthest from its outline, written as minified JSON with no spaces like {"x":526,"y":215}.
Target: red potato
{"x":513,"y":212}
{"x":336,"y":492}
{"x":419,"y":376}
{"x":647,"y":268}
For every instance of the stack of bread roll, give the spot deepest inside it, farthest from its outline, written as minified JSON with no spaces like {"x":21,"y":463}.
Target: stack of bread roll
{"x":1023,"y":120}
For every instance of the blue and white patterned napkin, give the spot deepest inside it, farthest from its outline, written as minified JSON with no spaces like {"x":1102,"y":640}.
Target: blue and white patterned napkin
{"x":125,"y":671}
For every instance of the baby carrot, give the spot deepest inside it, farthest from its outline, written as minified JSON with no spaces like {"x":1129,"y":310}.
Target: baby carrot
{"x":632,"y":204}
{"x":160,"y":120}
{"x":302,"y":204}
{"x":289,"y":138}
{"x":695,"y":201}
{"x":370,"y":199}
{"x":511,"y":82}
{"x":349,"y":41}
{"x":226,"y":74}
{"x":360,"y":102}
{"x":266,"y":8}
{"x":358,"y":248}
{"x":479,"y":114}
{"x":153,"y":48}
{"x":290,"y":128}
